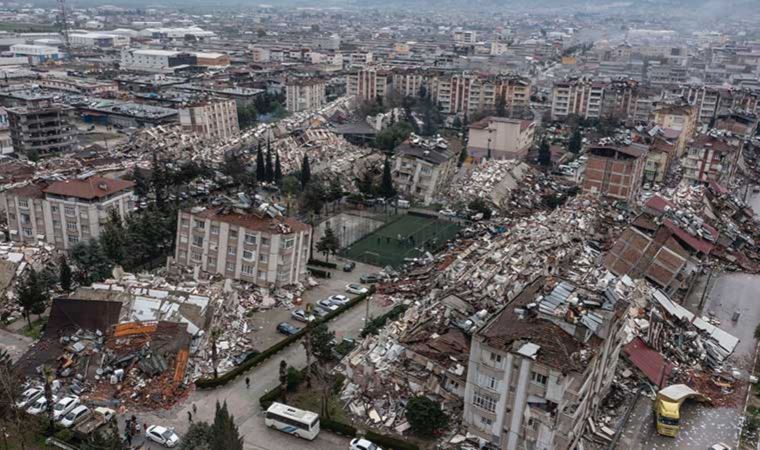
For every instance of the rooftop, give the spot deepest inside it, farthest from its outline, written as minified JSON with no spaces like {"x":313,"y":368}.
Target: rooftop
{"x":251,"y":221}
{"x":91,"y":188}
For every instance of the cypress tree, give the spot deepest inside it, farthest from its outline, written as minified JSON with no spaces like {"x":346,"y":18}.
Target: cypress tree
{"x":386,"y":184}
{"x":305,"y":171}
{"x":269,"y":176}
{"x":277,"y":169}
{"x":260,"y":169}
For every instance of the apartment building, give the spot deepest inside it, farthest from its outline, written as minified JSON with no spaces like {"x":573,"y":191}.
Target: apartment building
{"x":158,"y":61}
{"x":471,"y":93}
{"x":541,"y":367}
{"x":500,"y":138}
{"x":42,"y":128}
{"x":579,"y":97}
{"x":257,"y":245}
{"x":712,"y":157}
{"x":615,"y":172}
{"x":465,"y":37}
{"x":305,"y":94}
{"x":64,"y":213}
{"x":368,"y":84}
{"x":213,"y":118}
{"x":422,"y":170}
{"x":678,"y":117}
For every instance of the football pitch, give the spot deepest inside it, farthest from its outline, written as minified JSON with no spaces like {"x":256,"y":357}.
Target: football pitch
{"x":408,"y":236}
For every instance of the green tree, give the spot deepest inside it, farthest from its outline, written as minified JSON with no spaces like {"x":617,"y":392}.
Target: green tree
{"x":501,"y":105}
{"x":291,"y":185}
{"x":158,"y":180}
{"x":31,"y":296}
{"x":544,"y":153}
{"x":91,"y":262}
{"x":386,"y":184}
{"x":305,"y":172}
{"x":64,"y":276}
{"x":142,"y":185}
{"x":462,"y":156}
{"x":329,"y":243}
{"x":366,"y":184}
{"x":313,"y":197}
{"x":261,"y":170}
{"x":106,"y":438}
{"x":391,"y":137}
{"x":283,"y":378}
{"x":576,"y":142}
{"x":322,"y":343}
{"x":113,"y":238}
{"x":277,"y":169}
{"x":456,"y":123}
{"x":197,"y":437}
{"x":269,"y":166}
{"x":425,"y":416}
{"x":247,"y":116}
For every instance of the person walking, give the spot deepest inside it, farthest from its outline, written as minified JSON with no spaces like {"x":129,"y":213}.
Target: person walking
{"x":190,"y":417}
{"x":247,"y":383}
{"x":195,"y":409}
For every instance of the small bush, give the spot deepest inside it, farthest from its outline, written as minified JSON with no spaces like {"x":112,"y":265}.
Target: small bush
{"x":316,"y":262}
{"x":295,"y":377}
{"x":337,"y":427}
{"x":757,"y":332}
{"x":64,"y":435}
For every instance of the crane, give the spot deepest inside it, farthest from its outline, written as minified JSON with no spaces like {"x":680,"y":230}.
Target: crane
{"x":64,"y":26}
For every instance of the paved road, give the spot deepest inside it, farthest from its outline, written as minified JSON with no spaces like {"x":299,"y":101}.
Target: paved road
{"x":243,"y":403}
{"x":703,"y":427}
{"x":15,"y":344}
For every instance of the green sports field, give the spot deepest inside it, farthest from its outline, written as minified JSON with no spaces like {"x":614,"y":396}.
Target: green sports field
{"x":408,"y":236}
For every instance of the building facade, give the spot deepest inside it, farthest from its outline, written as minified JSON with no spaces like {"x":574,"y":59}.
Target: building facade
{"x":712,"y":158}
{"x":500,"y":138}
{"x":64,"y":213}
{"x":244,"y":245}
{"x":215,"y":119}
{"x":368,"y":84}
{"x":421,"y":171}
{"x":615,"y":172}
{"x":42,"y":128}
{"x":305,"y":95}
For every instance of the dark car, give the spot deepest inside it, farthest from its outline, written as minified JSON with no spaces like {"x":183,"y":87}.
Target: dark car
{"x":349,"y":266}
{"x":287,"y":329}
{"x":240,"y":358}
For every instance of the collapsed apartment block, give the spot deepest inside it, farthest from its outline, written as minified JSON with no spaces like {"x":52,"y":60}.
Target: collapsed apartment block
{"x":615,"y":172}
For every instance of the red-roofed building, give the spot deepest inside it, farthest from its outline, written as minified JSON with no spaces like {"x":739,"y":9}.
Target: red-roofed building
{"x":64,"y":213}
{"x":252,"y":246}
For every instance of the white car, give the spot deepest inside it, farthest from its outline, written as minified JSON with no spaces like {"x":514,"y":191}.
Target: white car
{"x":29,"y":396}
{"x":75,"y":416}
{"x":328,"y":305}
{"x":720,"y":446}
{"x":64,"y":406}
{"x":363,"y":444}
{"x":339,"y":299}
{"x":301,"y":316}
{"x":356,"y":289}
{"x":39,"y":406}
{"x":162,"y":435}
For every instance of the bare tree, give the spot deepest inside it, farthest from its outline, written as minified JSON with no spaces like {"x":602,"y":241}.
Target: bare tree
{"x":49,"y":375}
{"x":9,"y":384}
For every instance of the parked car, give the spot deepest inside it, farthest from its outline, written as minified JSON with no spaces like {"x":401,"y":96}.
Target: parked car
{"x":719,"y":446}
{"x":371,"y":278}
{"x":75,"y":416}
{"x":162,"y":435}
{"x":319,"y":312}
{"x":301,"y":316}
{"x":29,"y":396}
{"x":240,"y":358}
{"x":328,"y":304}
{"x":39,"y":406}
{"x":287,"y":329}
{"x":349,"y":266}
{"x":64,"y":405}
{"x":363,"y":444}
{"x":354,"y":288}
{"x":339,"y":299}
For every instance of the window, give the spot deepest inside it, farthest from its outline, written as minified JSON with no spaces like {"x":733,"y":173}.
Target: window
{"x":182,"y":254}
{"x":263,"y":258}
{"x":214,"y":229}
{"x":185,"y":223}
{"x":495,"y":358}
{"x":249,"y":255}
{"x":85,"y":228}
{"x":230,"y":267}
{"x":212,"y":261}
{"x":264,"y":241}
{"x":198,"y":241}
{"x":73,"y":239}
{"x":250,"y":239}
{"x":288,"y":243}
{"x":54,"y":209}
{"x":25,"y":218}
{"x":262,"y":274}
{"x":484,"y":402}
{"x":200,"y":224}
{"x":486,"y":421}
{"x":71,"y":226}
{"x":183,"y":239}
{"x":538,"y":378}
{"x":23,"y":203}
{"x":248,"y":270}
{"x":27,"y":231}
{"x":490,"y":382}
{"x":196,"y":256}
{"x":232,"y":251}
{"x":233,"y":234}
{"x":70,"y":210}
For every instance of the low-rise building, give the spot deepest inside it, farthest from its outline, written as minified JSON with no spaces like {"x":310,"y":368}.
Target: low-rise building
{"x":214,"y":118}
{"x":64,"y":213}
{"x":500,"y":138}
{"x":305,"y":95}
{"x":250,"y":244}
{"x":540,"y":367}
{"x":36,"y":54}
{"x":712,"y":157}
{"x":422,"y":169}
{"x":98,"y":40}
{"x":615,"y":172}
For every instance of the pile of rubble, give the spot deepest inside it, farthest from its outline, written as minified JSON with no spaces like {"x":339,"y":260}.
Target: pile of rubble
{"x":15,"y":259}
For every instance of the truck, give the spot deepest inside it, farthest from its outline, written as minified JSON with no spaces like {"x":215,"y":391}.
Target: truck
{"x":97,"y":419}
{"x":667,"y":407}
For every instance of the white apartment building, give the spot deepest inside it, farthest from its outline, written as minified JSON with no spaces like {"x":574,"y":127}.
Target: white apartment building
{"x":533,"y":377}
{"x":146,"y":59}
{"x":304,"y":95}
{"x":472,"y":93}
{"x":247,"y":245}
{"x":368,"y":84}
{"x":64,"y":213}
{"x":465,"y":36}
{"x":99,"y":40}
{"x":36,"y":53}
{"x":500,"y":137}
{"x":579,"y":97}
{"x":214,"y":118}
{"x":421,"y":172}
